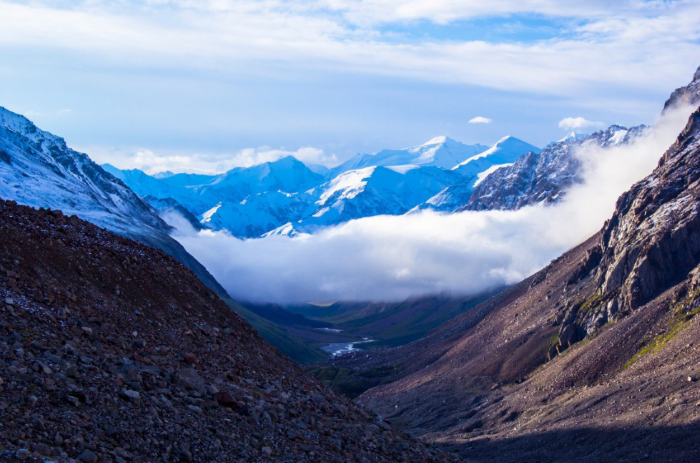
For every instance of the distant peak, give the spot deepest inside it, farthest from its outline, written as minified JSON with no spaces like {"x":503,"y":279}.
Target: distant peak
{"x":505,"y":139}
{"x":284,"y":160}
{"x":573,"y":136}
{"x":437,"y":141}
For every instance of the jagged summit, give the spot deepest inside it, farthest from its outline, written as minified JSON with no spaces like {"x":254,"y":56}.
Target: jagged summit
{"x":688,"y":95}
{"x":543,"y":177}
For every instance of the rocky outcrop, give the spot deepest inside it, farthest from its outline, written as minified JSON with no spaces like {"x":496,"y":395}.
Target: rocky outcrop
{"x":653,"y":239}
{"x":112,"y":351}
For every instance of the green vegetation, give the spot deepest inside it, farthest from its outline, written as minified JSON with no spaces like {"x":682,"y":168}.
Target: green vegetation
{"x":590,"y":304}
{"x":683,"y":312}
{"x":292,"y":346}
{"x":392,"y":324}
{"x":350,"y":382}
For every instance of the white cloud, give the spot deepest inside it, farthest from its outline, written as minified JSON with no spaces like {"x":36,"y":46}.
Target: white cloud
{"x":480,"y":120}
{"x":395,"y":257}
{"x":153,"y":162}
{"x":627,"y":45}
{"x":578,"y":124}
{"x":64,"y":111}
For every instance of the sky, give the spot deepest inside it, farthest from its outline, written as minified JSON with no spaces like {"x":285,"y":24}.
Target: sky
{"x":207,"y":85}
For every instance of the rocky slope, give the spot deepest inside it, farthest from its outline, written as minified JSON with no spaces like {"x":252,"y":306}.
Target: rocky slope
{"x":594,"y":358}
{"x":112,"y":351}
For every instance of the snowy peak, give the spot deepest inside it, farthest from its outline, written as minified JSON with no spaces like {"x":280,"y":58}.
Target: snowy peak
{"x":573,"y":136}
{"x":440,"y":140}
{"x":440,"y":151}
{"x":505,"y":151}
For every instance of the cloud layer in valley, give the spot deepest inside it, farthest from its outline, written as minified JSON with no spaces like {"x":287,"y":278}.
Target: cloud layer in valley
{"x":394,"y":257}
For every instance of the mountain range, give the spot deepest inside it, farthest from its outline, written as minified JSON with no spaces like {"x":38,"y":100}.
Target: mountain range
{"x":285,"y":197}
{"x":114,"y":350}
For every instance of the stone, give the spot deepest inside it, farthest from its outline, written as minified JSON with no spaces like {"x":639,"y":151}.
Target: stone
{"x":267,"y":451}
{"x":131,"y":372}
{"x":42,"y":449}
{"x":87,"y":456}
{"x":133,"y":396}
{"x":190,"y":379}
{"x":225,"y":399}
{"x":22,"y":454}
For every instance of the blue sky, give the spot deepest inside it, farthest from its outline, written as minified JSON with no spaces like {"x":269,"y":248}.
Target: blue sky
{"x":207,"y":85}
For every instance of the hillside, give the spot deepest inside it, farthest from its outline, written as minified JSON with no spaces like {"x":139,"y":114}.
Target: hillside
{"x":113,"y":351}
{"x":594,"y":358}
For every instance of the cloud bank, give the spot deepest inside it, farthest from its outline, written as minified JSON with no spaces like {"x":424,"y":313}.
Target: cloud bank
{"x":597,"y":44}
{"x":390,"y":258}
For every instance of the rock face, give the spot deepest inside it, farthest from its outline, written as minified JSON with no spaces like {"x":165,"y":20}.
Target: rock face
{"x":537,"y":178}
{"x":113,"y":351}
{"x":594,"y":358}
{"x":653,"y":240}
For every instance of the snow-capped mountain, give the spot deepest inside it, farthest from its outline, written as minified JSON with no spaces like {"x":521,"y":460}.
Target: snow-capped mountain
{"x":287,"y":197}
{"x":475,"y":169}
{"x":376,"y":191}
{"x":38,"y":169}
{"x":441,"y":152}
{"x":543,"y":177}
{"x":504,"y":152}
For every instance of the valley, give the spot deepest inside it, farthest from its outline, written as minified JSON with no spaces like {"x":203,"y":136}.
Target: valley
{"x":444,"y":302}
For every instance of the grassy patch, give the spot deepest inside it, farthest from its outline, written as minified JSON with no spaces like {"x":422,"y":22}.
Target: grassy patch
{"x":590,"y":304}
{"x":683,"y":312}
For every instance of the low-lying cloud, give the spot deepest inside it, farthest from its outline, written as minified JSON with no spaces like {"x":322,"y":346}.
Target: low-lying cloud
{"x":390,"y":258}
